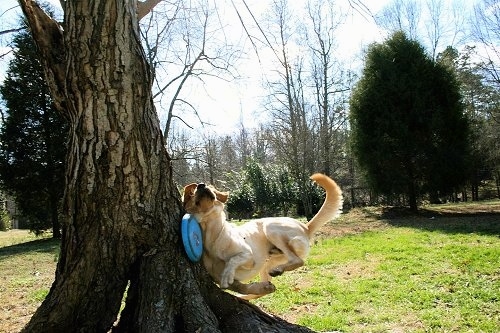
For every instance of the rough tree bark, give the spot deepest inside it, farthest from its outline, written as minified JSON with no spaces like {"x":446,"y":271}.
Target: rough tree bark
{"x":122,"y":210}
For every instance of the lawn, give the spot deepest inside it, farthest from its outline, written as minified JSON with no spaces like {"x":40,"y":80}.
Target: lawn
{"x":27,"y":265}
{"x":373,"y":270}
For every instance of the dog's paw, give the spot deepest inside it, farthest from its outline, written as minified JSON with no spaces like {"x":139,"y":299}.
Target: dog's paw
{"x":269,"y":288}
{"x":224,"y":284}
{"x":259,"y":289}
{"x":277,"y":271}
{"x":226,"y":280}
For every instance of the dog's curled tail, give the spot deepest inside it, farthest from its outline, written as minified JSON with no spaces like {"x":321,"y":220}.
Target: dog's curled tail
{"x":331,"y":208}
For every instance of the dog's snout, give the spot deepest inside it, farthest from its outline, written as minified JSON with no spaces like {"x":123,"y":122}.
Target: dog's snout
{"x":200,"y":186}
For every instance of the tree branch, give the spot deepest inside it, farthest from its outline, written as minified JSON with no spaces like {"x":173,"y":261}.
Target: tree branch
{"x":145,"y":7}
{"x":48,"y":36}
{"x":10,"y":30}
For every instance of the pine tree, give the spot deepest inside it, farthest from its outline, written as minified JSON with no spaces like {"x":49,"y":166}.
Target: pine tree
{"x":32,"y":139}
{"x":409,"y":131}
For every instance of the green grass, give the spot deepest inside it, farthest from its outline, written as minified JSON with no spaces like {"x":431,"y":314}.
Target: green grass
{"x":372,"y":270}
{"x":399,"y":279}
{"x":27,"y":266}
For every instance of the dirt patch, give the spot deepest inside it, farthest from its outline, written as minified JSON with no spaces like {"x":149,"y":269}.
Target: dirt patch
{"x":482,"y":217}
{"x":357,"y":269}
{"x":356,"y":221}
{"x":298,"y":311}
{"x":302,"y":282}
{"x":338,"y":230}
{"x":407,"y":323}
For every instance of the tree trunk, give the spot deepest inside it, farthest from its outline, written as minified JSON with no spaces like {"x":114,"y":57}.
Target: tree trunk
{"x":54,"y":215}
{"x":412,"y":196}
{"x":497,"y":182}
{"x":53,"y":175}
{"x":122,"y":210}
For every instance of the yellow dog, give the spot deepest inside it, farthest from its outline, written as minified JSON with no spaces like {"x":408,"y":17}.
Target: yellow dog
{"x":267,"y":246}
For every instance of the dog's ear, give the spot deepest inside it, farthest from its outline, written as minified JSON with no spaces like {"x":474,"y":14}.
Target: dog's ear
{"x":221,"y":196}
{"x":188,"y":192}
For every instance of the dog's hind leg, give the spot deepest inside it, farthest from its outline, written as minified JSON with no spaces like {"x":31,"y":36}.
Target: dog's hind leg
{"x":293,"y":250}
{"x":252,"y":290}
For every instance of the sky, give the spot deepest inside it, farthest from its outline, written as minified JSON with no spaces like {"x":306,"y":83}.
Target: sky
{"x":232,"y":103}
{"x":224,"y":105}
{"x":228,"y":104}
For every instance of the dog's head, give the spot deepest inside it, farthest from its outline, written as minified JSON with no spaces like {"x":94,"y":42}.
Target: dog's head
{"x":201,"y":199}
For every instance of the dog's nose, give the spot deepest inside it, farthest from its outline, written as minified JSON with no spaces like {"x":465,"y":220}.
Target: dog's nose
{"x":200,"y":186}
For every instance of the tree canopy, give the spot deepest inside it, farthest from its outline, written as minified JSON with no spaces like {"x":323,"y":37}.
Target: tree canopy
{"x":409,"y":132}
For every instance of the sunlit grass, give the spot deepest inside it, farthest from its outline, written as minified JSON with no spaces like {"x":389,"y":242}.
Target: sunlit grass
{"x":27,"y":266}
{"x":436,"y":272}
{"x":403,"y":279}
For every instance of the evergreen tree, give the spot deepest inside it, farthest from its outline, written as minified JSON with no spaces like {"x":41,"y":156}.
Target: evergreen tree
{"x":481,"y":100}
{"x":409,"y":131}
{"x":32,"y":139}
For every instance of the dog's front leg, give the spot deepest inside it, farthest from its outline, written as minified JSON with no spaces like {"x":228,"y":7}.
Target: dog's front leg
{"x":240,"y":259}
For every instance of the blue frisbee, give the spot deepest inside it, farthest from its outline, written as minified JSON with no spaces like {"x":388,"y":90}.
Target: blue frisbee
{"x":191,"y":237}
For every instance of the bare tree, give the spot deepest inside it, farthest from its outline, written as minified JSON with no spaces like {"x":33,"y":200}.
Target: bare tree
{"x":444,"y":25}
{"x":328,"y":79}
{"x":434,"y":27}
{"x":401,"y":15}
{"x":290,"y":115}
{"x":486,"y":30}
{"x":7,"y":30}
{"x":185,"y":45}
{"x":243,"y":144}
{"x":121,"y":207}
{"x":435,"y":23}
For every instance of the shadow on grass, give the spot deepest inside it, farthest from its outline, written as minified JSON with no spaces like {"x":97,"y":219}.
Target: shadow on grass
{"x":486,"y":223}
{"x":47,"y":245}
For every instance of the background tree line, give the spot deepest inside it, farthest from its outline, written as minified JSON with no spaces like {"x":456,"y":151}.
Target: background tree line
{"x":306,"y":125}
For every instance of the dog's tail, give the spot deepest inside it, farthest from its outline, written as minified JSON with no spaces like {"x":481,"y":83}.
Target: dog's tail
{"x":332,"y":207}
